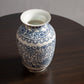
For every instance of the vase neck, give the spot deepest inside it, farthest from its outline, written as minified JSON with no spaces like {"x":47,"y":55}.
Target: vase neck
{"x":27,"y":26}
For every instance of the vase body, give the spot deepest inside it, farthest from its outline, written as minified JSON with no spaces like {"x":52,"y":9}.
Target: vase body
{"x":36,"y":46}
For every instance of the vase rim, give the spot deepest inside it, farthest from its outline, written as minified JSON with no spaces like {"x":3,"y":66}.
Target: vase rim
{"x":35,"y":14}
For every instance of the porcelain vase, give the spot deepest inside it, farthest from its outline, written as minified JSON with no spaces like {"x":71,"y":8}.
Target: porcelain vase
{"x":36,"y":40}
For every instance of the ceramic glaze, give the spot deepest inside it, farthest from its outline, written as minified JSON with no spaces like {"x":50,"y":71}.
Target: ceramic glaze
{"x":36,"y":42}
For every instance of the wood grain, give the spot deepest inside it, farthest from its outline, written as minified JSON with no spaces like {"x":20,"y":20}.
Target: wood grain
{"x":67,"y":66}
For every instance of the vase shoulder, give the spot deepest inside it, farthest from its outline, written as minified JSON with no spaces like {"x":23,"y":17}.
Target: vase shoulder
{"x":41,"y":35}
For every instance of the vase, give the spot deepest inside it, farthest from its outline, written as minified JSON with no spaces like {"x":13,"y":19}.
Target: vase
{"x":36,"y":40}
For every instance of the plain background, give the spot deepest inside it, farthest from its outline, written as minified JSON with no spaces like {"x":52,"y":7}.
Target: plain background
{"x":72,"y":9}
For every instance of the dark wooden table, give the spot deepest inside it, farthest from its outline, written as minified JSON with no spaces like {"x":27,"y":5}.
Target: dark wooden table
{"x":67,"y":66}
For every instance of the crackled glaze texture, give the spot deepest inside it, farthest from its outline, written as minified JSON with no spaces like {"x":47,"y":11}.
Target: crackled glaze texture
{"x":36,"y":46}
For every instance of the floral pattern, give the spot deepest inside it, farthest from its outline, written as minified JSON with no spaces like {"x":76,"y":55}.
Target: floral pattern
{"x":36,"y":46}
{"x":36,"y":35}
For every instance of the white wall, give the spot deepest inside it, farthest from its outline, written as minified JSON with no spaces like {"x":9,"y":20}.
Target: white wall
{"x":73,"y":9}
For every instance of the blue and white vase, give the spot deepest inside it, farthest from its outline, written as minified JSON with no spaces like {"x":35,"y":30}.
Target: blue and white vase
{"x":36,"y":40}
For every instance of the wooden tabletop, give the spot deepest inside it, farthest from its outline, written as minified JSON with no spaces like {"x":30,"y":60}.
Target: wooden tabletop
{"x":67,"y":66}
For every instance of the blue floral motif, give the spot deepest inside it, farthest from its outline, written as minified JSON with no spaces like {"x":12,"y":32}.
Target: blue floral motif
{"x":37,"y":57}
{"x":36,"y":45}
{"x":36,"y":35}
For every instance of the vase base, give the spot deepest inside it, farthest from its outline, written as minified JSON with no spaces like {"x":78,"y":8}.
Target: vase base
{"x":35,"y":71}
